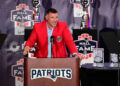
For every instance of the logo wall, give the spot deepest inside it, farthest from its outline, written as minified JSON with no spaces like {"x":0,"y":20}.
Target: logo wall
{"x":18,"y":72}
{"x":15,"y":46}
{"x":85,"y":46}
{"x":22,"y":17}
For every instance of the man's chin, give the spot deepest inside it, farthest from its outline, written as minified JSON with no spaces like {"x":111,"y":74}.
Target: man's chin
{"x":54,"y":25}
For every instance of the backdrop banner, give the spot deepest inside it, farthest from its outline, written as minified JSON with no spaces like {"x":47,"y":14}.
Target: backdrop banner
{"x":17,"y":15}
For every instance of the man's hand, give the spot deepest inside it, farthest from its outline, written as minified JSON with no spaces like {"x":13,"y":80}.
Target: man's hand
{"x":77,"y":56}
{"x":26,"y":50}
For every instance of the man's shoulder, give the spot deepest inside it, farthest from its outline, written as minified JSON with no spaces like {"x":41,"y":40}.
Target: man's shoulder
{"x":40,"y":25}
{"x":62,"y":23}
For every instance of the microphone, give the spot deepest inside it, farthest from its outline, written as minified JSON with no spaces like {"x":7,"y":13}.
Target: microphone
{"x":52,"y":41}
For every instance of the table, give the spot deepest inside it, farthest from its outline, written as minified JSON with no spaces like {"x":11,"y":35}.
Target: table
{"x":96,"y":76}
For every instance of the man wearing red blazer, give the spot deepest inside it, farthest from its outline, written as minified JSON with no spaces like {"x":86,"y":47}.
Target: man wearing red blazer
{"x":42,"y":33}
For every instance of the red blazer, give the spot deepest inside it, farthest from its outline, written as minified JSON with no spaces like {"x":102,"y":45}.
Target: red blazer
{"x":62,"y":38}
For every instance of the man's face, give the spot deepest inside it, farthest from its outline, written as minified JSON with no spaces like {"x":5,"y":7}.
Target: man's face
{"x":52,"y":19}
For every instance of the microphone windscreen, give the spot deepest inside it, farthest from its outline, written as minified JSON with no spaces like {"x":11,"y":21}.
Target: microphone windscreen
{"x":52,"y":39}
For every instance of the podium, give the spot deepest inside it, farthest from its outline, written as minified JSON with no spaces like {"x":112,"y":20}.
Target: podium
{"x":51,"y":72}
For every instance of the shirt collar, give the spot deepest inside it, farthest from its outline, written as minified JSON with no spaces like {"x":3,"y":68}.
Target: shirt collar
{"x":49,"y":28}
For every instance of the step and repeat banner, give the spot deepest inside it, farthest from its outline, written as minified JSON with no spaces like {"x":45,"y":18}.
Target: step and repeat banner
{"x":16,"y":16}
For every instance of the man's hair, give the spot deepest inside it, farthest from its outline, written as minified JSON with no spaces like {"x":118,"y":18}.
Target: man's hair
{"x":51,"y":10}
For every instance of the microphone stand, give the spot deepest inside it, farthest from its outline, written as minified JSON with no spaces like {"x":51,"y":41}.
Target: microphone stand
{"x":52,"y":41}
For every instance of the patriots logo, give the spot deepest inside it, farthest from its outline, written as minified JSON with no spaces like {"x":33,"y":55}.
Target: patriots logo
{"x":52,"y":74}
{"x":59,"y":38}
{"x":85,"y":45}
{"x":18,"y":70}
{"x":22,"y":15}
{"x":53,"y":77}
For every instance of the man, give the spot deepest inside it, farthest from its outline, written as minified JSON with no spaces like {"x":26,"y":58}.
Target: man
{"x":42,"y":33}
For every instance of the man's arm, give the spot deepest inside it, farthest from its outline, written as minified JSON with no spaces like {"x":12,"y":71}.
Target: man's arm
{"x":31,"y":41}
{"x":69,"y":42}
{"x":67,"y":36}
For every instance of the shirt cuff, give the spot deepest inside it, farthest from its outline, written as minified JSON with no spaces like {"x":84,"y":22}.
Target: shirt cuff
{"x":26,"y":47}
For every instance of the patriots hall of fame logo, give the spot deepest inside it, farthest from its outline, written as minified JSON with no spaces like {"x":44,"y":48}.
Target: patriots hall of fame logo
{"x":52,"y":74}
{"x":22,"y":17}
{"x":17,"y":71}
{"x":85,"y":45}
